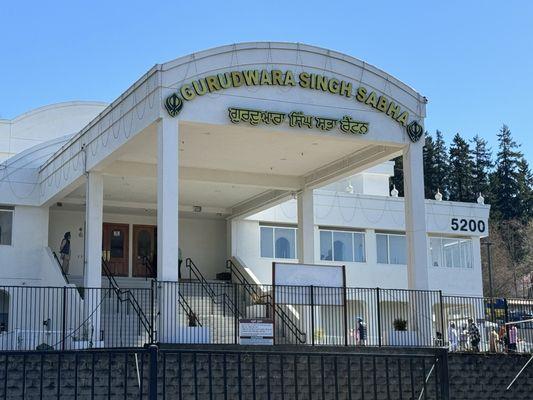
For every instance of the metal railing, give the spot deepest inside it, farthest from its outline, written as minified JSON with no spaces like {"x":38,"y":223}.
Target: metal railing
{"x":187,"y":374}
{"x":254,"y":294}
{"x":217,"y":297}
{"x":60,"y":265}
{"x":127,"y":295}
{"x":191,"y":312}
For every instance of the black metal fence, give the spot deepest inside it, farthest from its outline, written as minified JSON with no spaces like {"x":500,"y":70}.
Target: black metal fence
{"x":210,"y":313}
{"x":223,"y":374}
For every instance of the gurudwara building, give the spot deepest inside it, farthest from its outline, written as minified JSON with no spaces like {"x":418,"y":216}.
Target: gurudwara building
{"x":219,"y":181}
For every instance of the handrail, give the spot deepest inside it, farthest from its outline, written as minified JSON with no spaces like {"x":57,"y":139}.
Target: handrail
{"x":181,"y":300}
{"x":278,"y":310}
{"x":60,"y":267}
{"x":232,"y":306}
{"x":130,"y":298}
{"x":187,"y":308}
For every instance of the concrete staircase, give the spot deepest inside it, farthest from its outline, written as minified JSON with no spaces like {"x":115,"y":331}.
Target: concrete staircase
{"x":122,"y":327}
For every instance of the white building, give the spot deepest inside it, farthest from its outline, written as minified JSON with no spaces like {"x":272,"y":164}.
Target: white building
{"x":255,"y":152}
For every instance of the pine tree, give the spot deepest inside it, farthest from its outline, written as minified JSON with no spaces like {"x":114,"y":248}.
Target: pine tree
{"x":482,"y":158}
{"x":441,"y":165}
{"x":504,"y":180}
{"x":525,"y":191}
{"x":397,"y":179}
{"x":461,"y":166}
{"x":430,"y":184}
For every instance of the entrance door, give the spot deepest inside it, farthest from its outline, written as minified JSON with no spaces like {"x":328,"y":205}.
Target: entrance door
{"x":115,"y":245}
{"x":144,"y":251}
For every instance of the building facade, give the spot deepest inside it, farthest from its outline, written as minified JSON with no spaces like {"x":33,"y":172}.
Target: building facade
{"x":255,"y":152}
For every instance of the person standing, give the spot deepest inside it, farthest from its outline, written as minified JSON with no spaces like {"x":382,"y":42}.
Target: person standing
{"x":493,"y":340}
{"x":180,"y":260}
{"x":473,"y":335}
{"x":513,"y":338}
{"x":64,"y":252}
{"x":453,"y":336}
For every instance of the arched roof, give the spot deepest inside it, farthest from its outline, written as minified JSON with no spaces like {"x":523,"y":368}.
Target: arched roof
{"x":299,"y":49}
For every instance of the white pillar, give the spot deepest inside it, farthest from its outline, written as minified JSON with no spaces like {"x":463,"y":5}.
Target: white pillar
{"x":415,"y":216}
{"x":94,"y":209}
{"x":167,"y":228}
{"x":167,"y":199}
{"x":92,"y":277}
{"x":306,"y":227}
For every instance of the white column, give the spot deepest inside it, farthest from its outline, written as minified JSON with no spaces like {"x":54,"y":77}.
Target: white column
{"x":94,"y":209}
{"x":306,"y":227}
{"x":92,"y":277}
{"x":167,"y":228}
{"x":167,"y":199}
{"x":415,"y":216}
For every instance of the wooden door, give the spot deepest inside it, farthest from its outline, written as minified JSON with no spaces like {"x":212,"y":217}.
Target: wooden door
{"x":115,"y":246}
{"x":144,"y":251}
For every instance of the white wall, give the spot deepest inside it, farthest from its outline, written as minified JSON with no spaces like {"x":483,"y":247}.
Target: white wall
{"x":45,"y":123}
{"x":25,"y":261}
{"x":369,"y":213}
{"x":202,"y":239}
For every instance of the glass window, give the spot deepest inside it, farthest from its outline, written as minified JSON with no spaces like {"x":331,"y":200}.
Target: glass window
{"x":326,"y":251}
{"x":267,"y":240}
{"x":6,"y":226}
{"x":359,"y":247}
{"x":278,"y":242}
{"x":435,"y":249}
{"x":391,"y":249}
{"x":285,"y":242}
{"x":397,"y":249}
{"x":451,"y":253}
{"x":382,"y":244}
{"x":342,"y":246}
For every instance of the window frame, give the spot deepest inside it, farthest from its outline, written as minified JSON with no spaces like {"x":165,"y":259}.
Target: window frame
{"x":463,"y":257}
{"x":9,"y":209}
{"x":273,"y":228}
{"x":388,"y":234}
{"x":352,"y":232}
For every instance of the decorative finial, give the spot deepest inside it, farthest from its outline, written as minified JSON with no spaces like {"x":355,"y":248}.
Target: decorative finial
{"x":394,"y":191}
{"x":480,"y":199}
{"x":349,"y":188}
{"x":438,"y":195}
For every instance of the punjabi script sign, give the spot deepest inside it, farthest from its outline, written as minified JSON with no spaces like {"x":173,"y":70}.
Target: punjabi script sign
{"x":297,"y":119}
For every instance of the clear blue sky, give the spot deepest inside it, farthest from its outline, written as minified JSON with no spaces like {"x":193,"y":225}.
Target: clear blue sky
{"x":472,"y":59}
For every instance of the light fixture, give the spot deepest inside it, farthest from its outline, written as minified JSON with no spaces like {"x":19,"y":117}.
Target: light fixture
{"x":438,"y":195}
{"x":394,"y":192}
{"x":349,"y":188}
{"x":480,"y":199}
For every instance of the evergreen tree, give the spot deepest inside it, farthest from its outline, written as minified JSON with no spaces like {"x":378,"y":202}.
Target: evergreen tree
{"x":525,"y":191}
{"x":397,"y":179}
{"x":482,"y":158}
{"x":441,"y":165}
{"x":430,"y":184}
{"x":504,"y":180}
{"x":461,"y":166}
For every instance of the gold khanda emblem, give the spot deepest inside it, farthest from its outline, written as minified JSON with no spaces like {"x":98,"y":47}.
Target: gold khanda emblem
{"x":173,"y":104}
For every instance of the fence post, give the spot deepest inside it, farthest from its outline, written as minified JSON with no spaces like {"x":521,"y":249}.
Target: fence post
{"x":312,"y":316}
{"x":379,"y":316}
{"x":152,"y":311}
{"x":442,"y":355}
{"x":345,"y":305}
{"x":236,"y":320}
{"x":152,"y":380}
{"x":443,"y":329}
{"x":64,"y":319}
